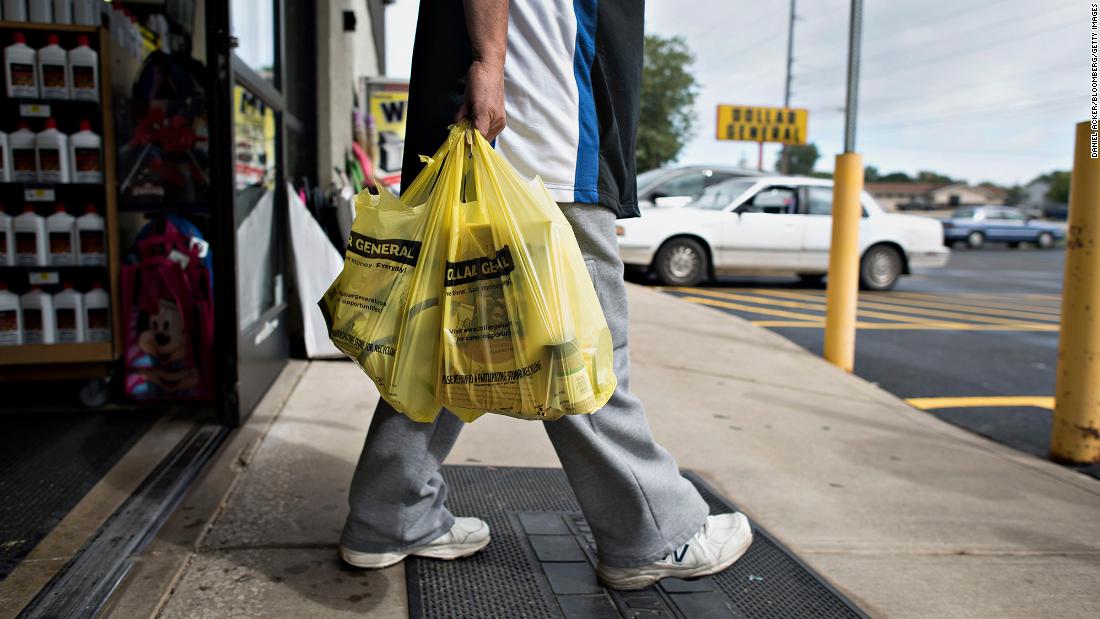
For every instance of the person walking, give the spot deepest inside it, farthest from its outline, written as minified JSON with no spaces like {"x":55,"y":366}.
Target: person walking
{"x":556,"y":84}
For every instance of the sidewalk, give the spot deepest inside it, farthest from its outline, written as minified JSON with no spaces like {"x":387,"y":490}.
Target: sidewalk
{"x":909,"y":516}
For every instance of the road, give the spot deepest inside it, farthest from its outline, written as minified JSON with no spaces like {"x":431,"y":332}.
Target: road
{"x":975,"y":343}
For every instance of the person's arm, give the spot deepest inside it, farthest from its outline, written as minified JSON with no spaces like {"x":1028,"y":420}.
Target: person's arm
{"x":487,"y":23}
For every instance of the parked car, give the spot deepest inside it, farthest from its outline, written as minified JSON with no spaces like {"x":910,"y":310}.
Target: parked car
{"x":774,"y":225}
{"x":978,"y":225}
{"x":678,"y":185}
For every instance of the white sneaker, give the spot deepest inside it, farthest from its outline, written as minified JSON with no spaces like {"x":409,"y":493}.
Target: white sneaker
{"x":466,"y":537}
{"x":722,"y":540}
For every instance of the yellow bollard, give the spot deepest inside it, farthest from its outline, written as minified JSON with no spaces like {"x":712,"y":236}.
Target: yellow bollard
{"x":842,"y":292}
{"x":1075,"y":436}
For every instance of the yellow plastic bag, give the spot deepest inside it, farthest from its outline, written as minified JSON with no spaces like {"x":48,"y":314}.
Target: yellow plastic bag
{"x":367,"y":308}
{"x":497,"y":315}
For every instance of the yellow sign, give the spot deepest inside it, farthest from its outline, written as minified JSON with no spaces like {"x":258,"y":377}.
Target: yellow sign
{"x":254,"y":140}
{"x":762,"y":124}
{"x":388,"y":107}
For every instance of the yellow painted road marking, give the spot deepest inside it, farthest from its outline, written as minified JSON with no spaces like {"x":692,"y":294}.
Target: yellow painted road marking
{"x":893,"y":318}
{"x":1010,"y":302}
{"x":900,"y":306}
{"x":896,"y":298}
{"x":1036,"y":401}
{"x":746,"y":308}
{"x":808,"y":320}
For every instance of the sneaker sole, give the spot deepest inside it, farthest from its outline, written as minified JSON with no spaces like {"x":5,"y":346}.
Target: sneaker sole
{"x":387,"y":559}
{"x":641,"y":581}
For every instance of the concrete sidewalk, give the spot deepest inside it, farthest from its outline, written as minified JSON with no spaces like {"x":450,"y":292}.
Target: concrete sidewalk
{"x":909,"y":516}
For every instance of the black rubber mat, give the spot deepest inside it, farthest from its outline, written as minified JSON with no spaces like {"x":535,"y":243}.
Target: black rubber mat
{"x":541,"y":563}
{"x":48,"y":461}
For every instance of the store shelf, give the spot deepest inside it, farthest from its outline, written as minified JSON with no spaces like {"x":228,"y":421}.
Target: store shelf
{"x":26,"y":25}
{"x":30,"y":354}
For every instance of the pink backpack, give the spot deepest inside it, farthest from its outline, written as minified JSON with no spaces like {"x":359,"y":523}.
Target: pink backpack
{"x":168,"y":315}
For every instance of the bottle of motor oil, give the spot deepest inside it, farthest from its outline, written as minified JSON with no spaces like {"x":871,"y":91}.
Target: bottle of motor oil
{"x":24,"y":164}
{"x":11,"y":318}
{"x":91,"y":238}
{"x":15,"y":10}
{"x":38,"y":318}
{"x":86,"y":12}
{"x":53,"y":70}
{"x":62,"y":11}
{"x":61,"y":231}
{"x":68,"y":307}
{"x":86,"y":152}
{"x":97,"y":314}
{"x":19,"y":67}
{"x":7,"y":239}
{"x":52,"y":150}
{"x":41,"y":11}
{"x":84,"y":70}
{"x":30,"y":238}
{"x":5,"y":158}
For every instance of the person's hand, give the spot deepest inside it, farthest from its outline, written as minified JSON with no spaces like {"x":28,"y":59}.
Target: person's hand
{"x":484,"y":105}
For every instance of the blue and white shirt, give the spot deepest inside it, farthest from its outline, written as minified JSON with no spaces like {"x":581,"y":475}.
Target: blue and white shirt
{"x":572,"y":80}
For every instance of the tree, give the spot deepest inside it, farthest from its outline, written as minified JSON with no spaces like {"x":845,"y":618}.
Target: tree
{"x":895,"y":177}
{"x":926,"y":176}
{"x":1015,"y":195}
{"x":803,"y":159}
{"x":1059,"y":187}
{"x":667,"y":118}
{"x":870,"y":174}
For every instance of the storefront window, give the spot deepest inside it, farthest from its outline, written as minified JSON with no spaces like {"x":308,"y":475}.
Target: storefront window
{"x":254,"y":28}
{"x":260,"y":277}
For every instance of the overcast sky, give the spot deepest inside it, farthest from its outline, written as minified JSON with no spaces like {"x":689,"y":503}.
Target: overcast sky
{"x":977,"y":89}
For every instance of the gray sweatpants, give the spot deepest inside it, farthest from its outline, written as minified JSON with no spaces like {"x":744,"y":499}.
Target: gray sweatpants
{"x":631,"y":492}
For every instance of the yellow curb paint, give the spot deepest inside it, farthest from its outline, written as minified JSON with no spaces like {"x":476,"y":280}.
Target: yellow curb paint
{"x":1036,"y":401}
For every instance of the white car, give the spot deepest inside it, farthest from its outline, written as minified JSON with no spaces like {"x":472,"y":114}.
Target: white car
{"x":774,"y":225}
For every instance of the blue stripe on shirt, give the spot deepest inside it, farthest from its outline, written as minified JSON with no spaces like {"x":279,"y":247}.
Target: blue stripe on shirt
{"x":588,"y":148}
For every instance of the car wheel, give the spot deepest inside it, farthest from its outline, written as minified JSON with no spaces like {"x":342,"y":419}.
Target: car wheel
{"x":813,"y":280}
{"x":1045,"y":240}
{"x":681,"y":262}
{"x":880,"y":268}
{"x":975,"y":240}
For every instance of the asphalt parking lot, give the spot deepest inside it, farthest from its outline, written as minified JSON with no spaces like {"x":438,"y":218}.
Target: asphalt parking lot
{"x":974,"y":343}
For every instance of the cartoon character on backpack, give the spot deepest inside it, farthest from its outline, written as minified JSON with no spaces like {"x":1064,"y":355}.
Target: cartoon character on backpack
{"x":169,"y":313}
{"x":166,"y":363}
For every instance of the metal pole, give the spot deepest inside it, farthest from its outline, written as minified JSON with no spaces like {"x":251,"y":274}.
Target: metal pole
{"x":842,"y":293}
{"x":787,"y":88}
{"x":855,"y":33}
{"x":1075,"y":436}
{"x":760,"y":157}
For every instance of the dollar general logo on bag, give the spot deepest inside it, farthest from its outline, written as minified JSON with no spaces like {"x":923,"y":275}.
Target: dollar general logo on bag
{"x":397,"y":250}
{"x":488,"y":267}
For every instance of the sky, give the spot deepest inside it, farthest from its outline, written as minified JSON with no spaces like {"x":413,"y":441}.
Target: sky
{"x":982,"y":90}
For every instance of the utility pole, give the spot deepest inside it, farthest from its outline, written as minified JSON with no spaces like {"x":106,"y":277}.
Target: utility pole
{"x":787,"y":88}
{"x":842,"y":292}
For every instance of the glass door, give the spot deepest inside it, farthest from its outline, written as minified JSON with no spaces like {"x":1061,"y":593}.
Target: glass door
{"x":250,"y":198}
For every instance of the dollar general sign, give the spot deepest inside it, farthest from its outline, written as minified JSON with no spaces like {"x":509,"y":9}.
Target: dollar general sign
{"x":762,"y":124}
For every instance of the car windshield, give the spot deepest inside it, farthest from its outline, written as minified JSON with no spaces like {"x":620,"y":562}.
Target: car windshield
{"x":722,"y":195}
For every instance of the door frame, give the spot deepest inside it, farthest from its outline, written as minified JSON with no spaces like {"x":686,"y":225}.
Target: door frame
{"x":243,"y":373}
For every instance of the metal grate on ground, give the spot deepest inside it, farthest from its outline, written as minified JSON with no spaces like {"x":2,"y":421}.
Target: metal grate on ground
{"x":542,"y":558}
